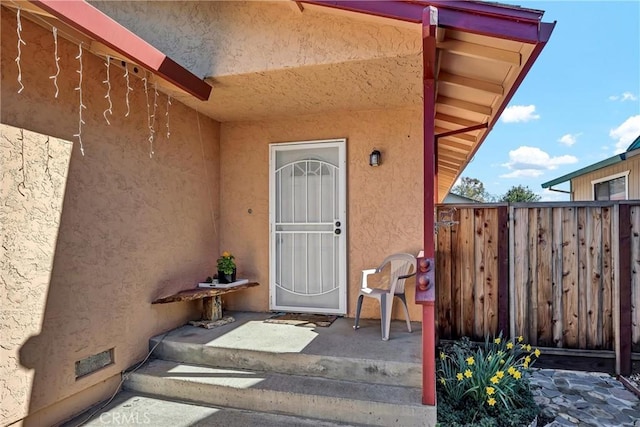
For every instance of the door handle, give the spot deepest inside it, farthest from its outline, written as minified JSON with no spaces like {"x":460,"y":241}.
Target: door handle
{"x":337,"y":231}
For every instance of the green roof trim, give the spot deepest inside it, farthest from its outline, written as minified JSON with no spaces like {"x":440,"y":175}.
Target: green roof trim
{"x":635,"y":145}
{"x":601,"y":164}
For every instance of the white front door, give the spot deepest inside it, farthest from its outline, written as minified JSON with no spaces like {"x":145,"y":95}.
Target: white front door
{"x":307,"y":217}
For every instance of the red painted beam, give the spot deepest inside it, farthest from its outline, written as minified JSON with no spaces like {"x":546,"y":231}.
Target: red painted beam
{"x":425,"y":292}
{"x":85,"y":18}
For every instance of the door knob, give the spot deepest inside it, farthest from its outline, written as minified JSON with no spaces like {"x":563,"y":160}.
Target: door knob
{"x":337,"y":231}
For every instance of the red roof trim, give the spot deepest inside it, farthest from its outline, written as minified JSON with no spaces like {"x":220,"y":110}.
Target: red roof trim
{"x":481,"y":18}
{"x":85,"y":18}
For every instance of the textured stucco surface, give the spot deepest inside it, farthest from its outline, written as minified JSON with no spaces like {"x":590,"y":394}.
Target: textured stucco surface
{"x":217,"y":38}
{"x":269,"y":60}
{"x":94,"y":239}
{"x":384,"y":204}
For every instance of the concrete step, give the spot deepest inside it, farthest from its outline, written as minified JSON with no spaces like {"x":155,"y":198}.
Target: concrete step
{"x":309,"y":397}
{"x":133,"y":408}
{"x":337,"y":352}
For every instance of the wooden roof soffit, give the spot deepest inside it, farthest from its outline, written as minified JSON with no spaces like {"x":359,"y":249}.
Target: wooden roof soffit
{"x":109,"y":37}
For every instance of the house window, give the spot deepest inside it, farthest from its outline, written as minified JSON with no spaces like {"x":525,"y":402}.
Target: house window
{"x":613,"y":187}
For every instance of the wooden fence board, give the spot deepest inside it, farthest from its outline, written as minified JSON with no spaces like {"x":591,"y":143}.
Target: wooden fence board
{"x":570,"y":276}
{"x":456,"y":278}
{"x":634,"y":271}
{"x":556,"y":275}
{"x":593,"y":292}
{"x":521,"y":267}
{"x":532,"y":273}
{"x":479,"y":276}
{"x":503,"y":270}
{"x":466,"y":246}
{"x":443,"y":281}
{"x":582,"y":285}
{"x":544,"y":267}
{"x":491,"y":272}
{"x":607,"y":278}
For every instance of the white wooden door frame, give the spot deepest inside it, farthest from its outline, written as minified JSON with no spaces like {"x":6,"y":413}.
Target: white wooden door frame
{"x":341,"y":144}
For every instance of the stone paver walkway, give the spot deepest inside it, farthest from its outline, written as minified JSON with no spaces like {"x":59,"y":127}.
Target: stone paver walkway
{"x":575,"y":398}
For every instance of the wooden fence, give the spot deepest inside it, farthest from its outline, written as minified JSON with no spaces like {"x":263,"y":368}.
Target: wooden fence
{"x":563,"y":275}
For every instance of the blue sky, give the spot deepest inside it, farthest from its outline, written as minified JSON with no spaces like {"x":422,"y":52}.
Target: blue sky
{"x":579,"y":104}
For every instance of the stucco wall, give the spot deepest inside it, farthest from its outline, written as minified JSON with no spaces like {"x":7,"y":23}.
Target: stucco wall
{"x":217,"y":38}
{"x":583,"y":189}
{"x":92,"y":240}
{"x":384,"y":206}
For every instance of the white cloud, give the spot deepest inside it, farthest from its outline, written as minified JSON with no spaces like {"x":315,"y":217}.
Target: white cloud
{"x":519,"y":113}
{"x":531,"y":162}
{"x":569,"y":139}
{"x":626,"y":96}
{"x":626,"y":133}
{"x":547,"y":195}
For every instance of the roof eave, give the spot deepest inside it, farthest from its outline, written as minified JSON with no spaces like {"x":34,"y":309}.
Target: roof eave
{"x":85,"y":18}
{"x":587,"y":169}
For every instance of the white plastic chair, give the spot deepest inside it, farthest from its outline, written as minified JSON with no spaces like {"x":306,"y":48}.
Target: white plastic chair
{"x":402,"y":266}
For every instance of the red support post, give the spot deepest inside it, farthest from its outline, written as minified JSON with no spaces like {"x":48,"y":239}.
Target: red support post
{"x":425,"y":278}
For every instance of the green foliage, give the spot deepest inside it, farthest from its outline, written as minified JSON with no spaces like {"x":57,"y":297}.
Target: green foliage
{"x":226,"y":263}
{"x":486,"y":385}
{"x":520,"y":193}
{"x":472,"y":188}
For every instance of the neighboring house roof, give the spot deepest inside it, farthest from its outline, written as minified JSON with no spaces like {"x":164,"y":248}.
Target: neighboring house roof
{"x":456,"y":198}
{"x":632,"y":150}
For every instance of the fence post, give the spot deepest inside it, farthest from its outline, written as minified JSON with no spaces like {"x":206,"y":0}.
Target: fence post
{"x":623,"y":355}
{"x":503,"y":270}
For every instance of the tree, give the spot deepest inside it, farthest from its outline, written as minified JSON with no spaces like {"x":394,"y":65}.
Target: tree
{"x":472,"y":188}
{"x":520,"y":193}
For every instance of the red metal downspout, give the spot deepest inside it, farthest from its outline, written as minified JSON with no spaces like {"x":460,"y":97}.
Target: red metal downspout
{"x":425,"y":278}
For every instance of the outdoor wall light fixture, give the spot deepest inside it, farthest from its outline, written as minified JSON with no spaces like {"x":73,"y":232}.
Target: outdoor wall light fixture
{"x":375,"y":158}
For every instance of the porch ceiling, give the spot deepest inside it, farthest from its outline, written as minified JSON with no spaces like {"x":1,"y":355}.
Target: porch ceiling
{"x":476,"y":76}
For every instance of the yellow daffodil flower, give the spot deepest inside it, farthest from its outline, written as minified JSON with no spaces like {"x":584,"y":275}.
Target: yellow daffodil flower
{"x":491,"y":401}
{"x":442,"y":356}
{"x":537,"y":352}
{"x":497,"y":340}
{"x":500,"y":374}
{"x":494,"y":380}
{"x":226,"y":254}
{"x":520,"y":338}
{"x":525,"y":364}
{"x":502,"y":362}
{"x":459,"y":376}
{"x":443,"y":381}
{"x":470,"y":360}
{"x":490,"y":390}
{"x":511,"y":370}
{"x":517,"y":375}
{"x":509,"y":345}
{"x":528,"y":347}
{"x":468,"y":373}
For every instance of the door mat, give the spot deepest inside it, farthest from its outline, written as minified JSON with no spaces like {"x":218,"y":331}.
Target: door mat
{"x":302,"y":319}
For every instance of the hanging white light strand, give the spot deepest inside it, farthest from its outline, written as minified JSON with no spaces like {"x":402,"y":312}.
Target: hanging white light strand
{"x":146,"y":95}
{"x":57,"y":59}
{"x":20,"y":41}
{"x":108,"y":95}
{"x":166,"y":115}
{"x":129,"y":88}
{"x":81,"y":105}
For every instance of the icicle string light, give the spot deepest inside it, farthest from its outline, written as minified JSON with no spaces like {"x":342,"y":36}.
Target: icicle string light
{"x":20,"y":42}
{"x":57,"y":59}
{"x":81,"y":105}
{"x":129,"y":88}
{"x":108,"y":95}
{"x":146,"y":95}
{"x":166,"y":115}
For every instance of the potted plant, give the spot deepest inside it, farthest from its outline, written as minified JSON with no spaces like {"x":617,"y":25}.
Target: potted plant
{"x":226,"y":268}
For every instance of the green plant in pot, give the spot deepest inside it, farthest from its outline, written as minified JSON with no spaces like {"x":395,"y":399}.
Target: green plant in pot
{"x":226,"y":268}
